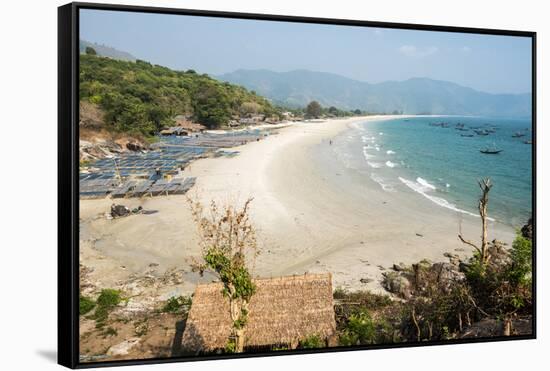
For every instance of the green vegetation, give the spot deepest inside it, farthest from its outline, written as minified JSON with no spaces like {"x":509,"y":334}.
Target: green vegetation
{"x":90,"y":51}
{"x":312,"y":342}
{"x":502,"y":287}
{"x":141,"y":98}
{"x":313,"y":110}
{"x":85,"y":305}
{"x":108,"y":299}
{"x":177,"y":304}
{"x":443,"y":299}
{"x":364,"y":318}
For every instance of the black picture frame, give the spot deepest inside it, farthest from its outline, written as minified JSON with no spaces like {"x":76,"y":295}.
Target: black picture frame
{"x":68,"y":168}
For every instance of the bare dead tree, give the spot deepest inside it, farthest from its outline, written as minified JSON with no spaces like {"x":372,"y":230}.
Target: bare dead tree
{"x":485,"y":185}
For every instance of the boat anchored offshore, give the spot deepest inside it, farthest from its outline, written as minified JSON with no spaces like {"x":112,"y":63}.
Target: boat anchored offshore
{"x":491,"y":150}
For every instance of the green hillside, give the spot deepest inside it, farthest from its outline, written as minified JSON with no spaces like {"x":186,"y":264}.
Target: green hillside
{"x":141,"y":98}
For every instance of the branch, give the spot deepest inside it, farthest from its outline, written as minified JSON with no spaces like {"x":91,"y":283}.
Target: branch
{"x":467,"y":242}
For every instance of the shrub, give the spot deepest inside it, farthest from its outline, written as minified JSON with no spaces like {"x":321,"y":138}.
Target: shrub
{"x":520,"y":269}
{"x":107,"y":300}
{"x":177,"y":304}
{"x":360,"y":329}
{"x":312,"y":342}
{"x":85,"y":305}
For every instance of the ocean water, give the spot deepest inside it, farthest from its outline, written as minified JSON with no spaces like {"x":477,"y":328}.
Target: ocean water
{"x":440,"y":165}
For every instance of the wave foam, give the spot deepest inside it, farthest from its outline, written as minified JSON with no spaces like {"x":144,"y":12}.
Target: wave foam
{"x":366,"y":139}
{"x":423,"y":187}
{"x":390,"y":152}
{"x":366,"y":154}
{"x":425,"y":184}
{"x":390,"y":164}
{"x":385,"y":186}
{"x":375,"y":165}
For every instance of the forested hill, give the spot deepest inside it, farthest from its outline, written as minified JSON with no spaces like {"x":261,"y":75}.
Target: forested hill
{"x":141,"y":98}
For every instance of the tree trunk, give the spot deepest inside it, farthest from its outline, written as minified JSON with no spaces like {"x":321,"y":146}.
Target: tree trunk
{"x":236,"y":307}
{"x":239,"y":340}
{"x":485,"y":186}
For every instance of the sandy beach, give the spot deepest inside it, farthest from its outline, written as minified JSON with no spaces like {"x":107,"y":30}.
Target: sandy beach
{"x":311,"y":215}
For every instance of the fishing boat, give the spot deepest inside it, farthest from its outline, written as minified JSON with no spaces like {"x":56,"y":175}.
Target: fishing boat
{"x":467,"y":135}
{"x":518,"y":135}
{"x":481,"y":132}
{"x":528,"y":141}
{"x":491,"y":150}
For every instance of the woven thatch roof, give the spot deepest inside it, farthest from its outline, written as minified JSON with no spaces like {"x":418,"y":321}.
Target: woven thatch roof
{"x":283,"y":310}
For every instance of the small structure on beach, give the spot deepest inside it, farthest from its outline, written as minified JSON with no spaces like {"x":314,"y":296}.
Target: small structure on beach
{"x":175,"y":130}
{"x":188,"y":124}
{"x":283,"y":311}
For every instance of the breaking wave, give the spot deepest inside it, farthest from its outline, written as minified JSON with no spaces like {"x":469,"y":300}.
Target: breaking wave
{"x":385,"y":186}
{"x":374,"y":165}
{"x":423,"y":187}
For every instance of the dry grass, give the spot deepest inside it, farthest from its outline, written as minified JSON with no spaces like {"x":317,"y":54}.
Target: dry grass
{"x":283,"y":311}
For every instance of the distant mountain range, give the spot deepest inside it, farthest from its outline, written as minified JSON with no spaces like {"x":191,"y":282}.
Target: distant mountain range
{"x":107,"y":51}
{"x":414,"y":96}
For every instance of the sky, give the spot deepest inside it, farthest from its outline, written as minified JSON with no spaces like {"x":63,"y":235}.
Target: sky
{"x":489,"y":63}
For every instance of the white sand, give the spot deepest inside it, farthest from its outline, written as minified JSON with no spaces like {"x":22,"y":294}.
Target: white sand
{"x":311,"y":215}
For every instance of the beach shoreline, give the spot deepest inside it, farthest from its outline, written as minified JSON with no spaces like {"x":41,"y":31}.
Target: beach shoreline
{"x":311,"y":215}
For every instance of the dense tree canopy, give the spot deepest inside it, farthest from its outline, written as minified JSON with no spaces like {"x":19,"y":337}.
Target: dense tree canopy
{"x":141,"y":98}
{"x":90,"y":50}
{"x":313,"y":109}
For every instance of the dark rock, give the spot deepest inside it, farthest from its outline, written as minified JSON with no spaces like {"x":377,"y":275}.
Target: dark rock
{"x":398,"y":267}
{"x":397,"y":284}
{"x":490,"y":327}
{"x":135,"y":146}
{"x":527,"y":229}
{"x":365,"y":280}
{"x":118,"y":211}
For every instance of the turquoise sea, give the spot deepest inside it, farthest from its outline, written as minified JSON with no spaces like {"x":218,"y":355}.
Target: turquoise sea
{"x":442,"y":163}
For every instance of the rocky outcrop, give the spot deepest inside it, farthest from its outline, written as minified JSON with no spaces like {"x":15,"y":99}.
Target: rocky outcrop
{"x":490,"y":327}
{"x":527,"y":229}
{"x":408,"y":281}
{"x":98,"y":148}
{"x":397,"y":284}
{"x":90,"y":151}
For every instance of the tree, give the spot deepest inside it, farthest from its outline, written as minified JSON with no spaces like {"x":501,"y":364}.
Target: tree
{"x":90,"y":51}
{"x":313,"y":109}
{"x":250,"y":108}
{"x":483,"y":251}
{"x":227,"y":239}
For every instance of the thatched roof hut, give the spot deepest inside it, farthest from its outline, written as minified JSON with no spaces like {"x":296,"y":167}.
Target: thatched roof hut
{"x":283,"y":311}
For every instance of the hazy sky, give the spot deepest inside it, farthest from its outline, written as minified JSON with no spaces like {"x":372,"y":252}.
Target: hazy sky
{"x":497,"y":64}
